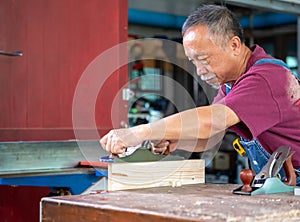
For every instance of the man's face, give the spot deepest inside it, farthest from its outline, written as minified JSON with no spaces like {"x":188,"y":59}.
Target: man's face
{"x":211,"y":61}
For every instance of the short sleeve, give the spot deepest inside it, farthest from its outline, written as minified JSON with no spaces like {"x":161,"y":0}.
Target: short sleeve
{"x":219,"y":98}
{"x":254,"y":102}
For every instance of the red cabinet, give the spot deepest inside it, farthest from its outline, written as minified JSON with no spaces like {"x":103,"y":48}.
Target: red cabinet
{"x":59,"y":40}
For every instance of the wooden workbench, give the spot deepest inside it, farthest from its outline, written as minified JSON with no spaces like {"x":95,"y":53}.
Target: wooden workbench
{"x":202,"y":202}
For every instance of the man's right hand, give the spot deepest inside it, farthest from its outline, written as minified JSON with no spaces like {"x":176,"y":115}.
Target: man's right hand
{"x":117,"y":140}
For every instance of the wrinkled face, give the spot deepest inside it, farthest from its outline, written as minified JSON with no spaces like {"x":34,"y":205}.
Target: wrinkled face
{"x":213,"y":63}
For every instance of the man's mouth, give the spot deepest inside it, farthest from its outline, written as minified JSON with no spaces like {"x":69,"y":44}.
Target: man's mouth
{"x":208,"y":77}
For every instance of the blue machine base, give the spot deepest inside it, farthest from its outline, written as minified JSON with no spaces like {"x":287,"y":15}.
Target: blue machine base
{"x":76,"y":183}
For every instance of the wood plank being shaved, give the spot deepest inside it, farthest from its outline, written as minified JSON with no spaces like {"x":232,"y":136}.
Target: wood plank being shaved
{"x":123,"y":176}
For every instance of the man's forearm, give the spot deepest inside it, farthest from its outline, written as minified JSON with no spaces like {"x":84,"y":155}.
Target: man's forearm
{"x":199,"y":123}
{"x":199,"y":145}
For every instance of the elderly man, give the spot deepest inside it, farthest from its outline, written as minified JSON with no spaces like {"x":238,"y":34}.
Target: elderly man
{"x":258,"y":96}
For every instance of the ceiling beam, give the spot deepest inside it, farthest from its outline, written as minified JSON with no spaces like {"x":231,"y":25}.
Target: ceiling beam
{"x":283,"y":6}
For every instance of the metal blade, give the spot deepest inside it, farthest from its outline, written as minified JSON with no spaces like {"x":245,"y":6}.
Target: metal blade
{"x":272,"y":167}
{"x":281,"y":159}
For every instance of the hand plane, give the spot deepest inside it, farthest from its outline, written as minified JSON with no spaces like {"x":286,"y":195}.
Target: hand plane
{"x":267,"y":181}
{"x":143,"y":152}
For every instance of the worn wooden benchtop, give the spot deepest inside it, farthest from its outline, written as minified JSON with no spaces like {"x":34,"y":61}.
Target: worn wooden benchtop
{"x":201,"y":202}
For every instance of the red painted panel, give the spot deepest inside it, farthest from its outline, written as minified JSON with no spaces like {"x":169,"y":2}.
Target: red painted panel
{"x":59,"y":38}
{"x":21,"y":204}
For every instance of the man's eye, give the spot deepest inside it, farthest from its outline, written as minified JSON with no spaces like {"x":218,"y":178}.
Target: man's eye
{"x":202,"y":60}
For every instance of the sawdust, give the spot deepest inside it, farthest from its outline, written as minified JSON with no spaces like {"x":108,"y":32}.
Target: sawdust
{"x":292,"y":215}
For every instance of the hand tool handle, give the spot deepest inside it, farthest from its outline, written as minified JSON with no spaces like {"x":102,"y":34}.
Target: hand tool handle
{"x":246,"y":176}
{"x":289,"y":172}
{"x":167,"y":151}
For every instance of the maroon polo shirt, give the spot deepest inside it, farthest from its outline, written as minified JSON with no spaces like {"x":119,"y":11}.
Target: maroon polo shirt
{"x":266,"y":99}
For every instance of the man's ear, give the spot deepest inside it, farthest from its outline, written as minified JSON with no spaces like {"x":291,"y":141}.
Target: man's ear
{"x":235,"y":45}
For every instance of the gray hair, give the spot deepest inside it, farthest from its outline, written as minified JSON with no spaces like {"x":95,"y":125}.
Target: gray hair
{"x":222,"y":24}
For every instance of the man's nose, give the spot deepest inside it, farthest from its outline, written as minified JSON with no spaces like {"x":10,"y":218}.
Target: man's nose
{"x":201,"y":70}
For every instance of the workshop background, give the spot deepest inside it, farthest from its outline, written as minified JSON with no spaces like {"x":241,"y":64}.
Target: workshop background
{"x":46,"y":46}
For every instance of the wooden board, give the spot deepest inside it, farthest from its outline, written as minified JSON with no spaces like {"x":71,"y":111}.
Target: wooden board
{"x":198,"y":202}
{"x":123,"y":176}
